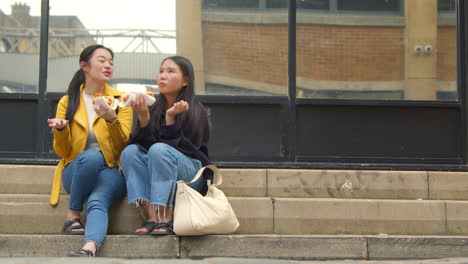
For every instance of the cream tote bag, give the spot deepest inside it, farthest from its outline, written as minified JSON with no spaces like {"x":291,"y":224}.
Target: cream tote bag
{"x":195,"y":214}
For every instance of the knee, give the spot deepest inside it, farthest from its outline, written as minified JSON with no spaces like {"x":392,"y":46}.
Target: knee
{"x":91,"y":156}
{"x":129,"y":153}
{"x":161,"y":152}
{"x":159,"y":148}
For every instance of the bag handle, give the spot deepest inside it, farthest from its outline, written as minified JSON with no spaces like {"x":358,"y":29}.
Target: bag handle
{"x":217,"y":179}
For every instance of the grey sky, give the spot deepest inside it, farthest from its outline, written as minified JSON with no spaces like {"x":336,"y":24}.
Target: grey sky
{"x":151,"y":14}
{"x":113,"y":14}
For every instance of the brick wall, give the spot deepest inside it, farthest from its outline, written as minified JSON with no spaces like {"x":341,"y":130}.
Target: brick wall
{"x":339,"y":53}
{"x":350,"y":53}
{"x":447,"y":54}
{"x":248,"y":52}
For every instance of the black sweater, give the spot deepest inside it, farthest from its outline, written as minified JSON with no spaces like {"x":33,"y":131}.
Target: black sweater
{"x":175,"y":136}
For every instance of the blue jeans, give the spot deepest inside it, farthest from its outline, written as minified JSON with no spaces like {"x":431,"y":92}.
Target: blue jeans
{"x":152,"y":175}
{"x":89,"y":177}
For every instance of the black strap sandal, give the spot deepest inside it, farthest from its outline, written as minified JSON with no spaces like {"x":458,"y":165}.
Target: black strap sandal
{"x":68,"y":227}
{"x":168,"y":229}
{"x":149,"y":226}
{"x":82,"y":253}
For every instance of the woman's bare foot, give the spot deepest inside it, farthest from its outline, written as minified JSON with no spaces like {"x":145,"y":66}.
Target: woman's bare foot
{"x":91,"y":246}
{"x":163,"y":215}
{"x":150,"y":215}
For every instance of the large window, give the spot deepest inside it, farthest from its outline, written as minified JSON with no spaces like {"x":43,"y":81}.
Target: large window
{"x":19,"y":46}
{"x":243,"y":53}
{"x":360,"y":49}
{"x":317,"y":5}
{"x":141,"y":36}
{"x":370,"y":5}
{"x":411,"y":56}
{"x":446,"y":6}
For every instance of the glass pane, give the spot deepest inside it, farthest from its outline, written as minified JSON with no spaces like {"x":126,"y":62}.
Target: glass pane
{"x":276,"y":3}
{"x":141,"y":36}
{"x":370,"y":5}
{"x":447,"y":51}
{"x":245,"y":53}
{"x":20,"y":25}
{"x":230,"y":4}
{"x":313,"y":4}
{"x":446,"y":6}
{"x":377,"y":56}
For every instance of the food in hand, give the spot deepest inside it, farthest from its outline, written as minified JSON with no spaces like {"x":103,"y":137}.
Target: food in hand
{"x":108,"y":100}
{"x":127,"y":99}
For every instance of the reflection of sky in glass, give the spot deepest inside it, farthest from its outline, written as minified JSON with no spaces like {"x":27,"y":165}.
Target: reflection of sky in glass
{"x":117,"y":14}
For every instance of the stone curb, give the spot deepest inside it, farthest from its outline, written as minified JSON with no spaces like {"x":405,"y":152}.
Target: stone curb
{"x":246,"y":246}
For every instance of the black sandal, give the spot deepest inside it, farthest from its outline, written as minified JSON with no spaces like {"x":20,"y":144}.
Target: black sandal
{"x":167,"y":226}
{"x":82,"y":253}
{"x":149,"y":226}
{"x":68,"y":227}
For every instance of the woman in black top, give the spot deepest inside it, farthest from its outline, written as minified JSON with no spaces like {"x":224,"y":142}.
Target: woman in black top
{"x":170,"y":143}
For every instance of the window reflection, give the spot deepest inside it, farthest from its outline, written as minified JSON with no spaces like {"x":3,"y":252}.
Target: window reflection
{"x":214,"y":4}
{"x":245,"y":53}
{"x":389,"y":55}
{"x":446,"y":5}
{"x":139,"y":47}
{"x":19,"y":46}
{"x":313,"y":4}
{"x":370,"y":5}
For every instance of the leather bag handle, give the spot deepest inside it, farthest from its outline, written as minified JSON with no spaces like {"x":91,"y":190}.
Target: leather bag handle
{"x":217,"y":178}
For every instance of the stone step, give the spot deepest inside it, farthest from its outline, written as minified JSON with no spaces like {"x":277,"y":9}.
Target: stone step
{"x":31,"y":214}
{"x":288,"y":183}
{"x":294,"y":247}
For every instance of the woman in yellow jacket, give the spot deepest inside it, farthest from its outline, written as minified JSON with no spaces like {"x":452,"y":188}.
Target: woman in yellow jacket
{"x":89,"y":137}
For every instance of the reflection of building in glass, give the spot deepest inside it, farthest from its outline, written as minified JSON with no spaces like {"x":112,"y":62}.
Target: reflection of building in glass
{"x":21,"y":31}
{"x":136,"y":51}
{"x":344,"y":49}
{"x":20,"y":42}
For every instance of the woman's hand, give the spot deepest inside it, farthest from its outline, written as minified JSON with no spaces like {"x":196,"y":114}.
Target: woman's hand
{"x":176,"y":109}
{"x":103,"y":111}
{"x":57,"y":123}
{"x":139,"y":106}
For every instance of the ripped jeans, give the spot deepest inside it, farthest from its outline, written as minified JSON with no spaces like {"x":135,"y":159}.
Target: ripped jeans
{"x":152,"y":175}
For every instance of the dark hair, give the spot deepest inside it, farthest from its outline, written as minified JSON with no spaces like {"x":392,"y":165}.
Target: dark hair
{"x":78,"y":79}
{"x":197,"y":115}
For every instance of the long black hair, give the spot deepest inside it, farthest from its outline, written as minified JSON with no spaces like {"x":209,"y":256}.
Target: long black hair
{"x":78,"y":79}
{"x":197,"y":115}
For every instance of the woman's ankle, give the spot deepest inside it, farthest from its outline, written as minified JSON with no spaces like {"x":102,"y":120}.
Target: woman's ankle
{"x":163,"y":214}
{"x":73,"y":214}
{"x":90,"y":245}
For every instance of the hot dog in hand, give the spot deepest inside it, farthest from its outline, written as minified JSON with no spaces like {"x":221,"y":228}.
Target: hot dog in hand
{"x":108,"y":100}
{"x":127,"y":99}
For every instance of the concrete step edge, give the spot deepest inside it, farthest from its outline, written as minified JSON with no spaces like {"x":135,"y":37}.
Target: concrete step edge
{"x":307,"y":183}
{"x":22,"y":214}
{"x":307,"y":247}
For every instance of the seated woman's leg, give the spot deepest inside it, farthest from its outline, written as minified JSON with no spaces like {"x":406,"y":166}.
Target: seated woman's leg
{"x":167,"y":165}
{"x":110,"y":188}
{"x":135,"y":170}
{"x":79,"y":178}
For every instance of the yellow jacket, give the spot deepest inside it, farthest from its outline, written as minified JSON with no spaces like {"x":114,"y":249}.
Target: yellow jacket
{"x":71,"y":141}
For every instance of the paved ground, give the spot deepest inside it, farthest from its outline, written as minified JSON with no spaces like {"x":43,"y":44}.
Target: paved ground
{"x":215,"y":261}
